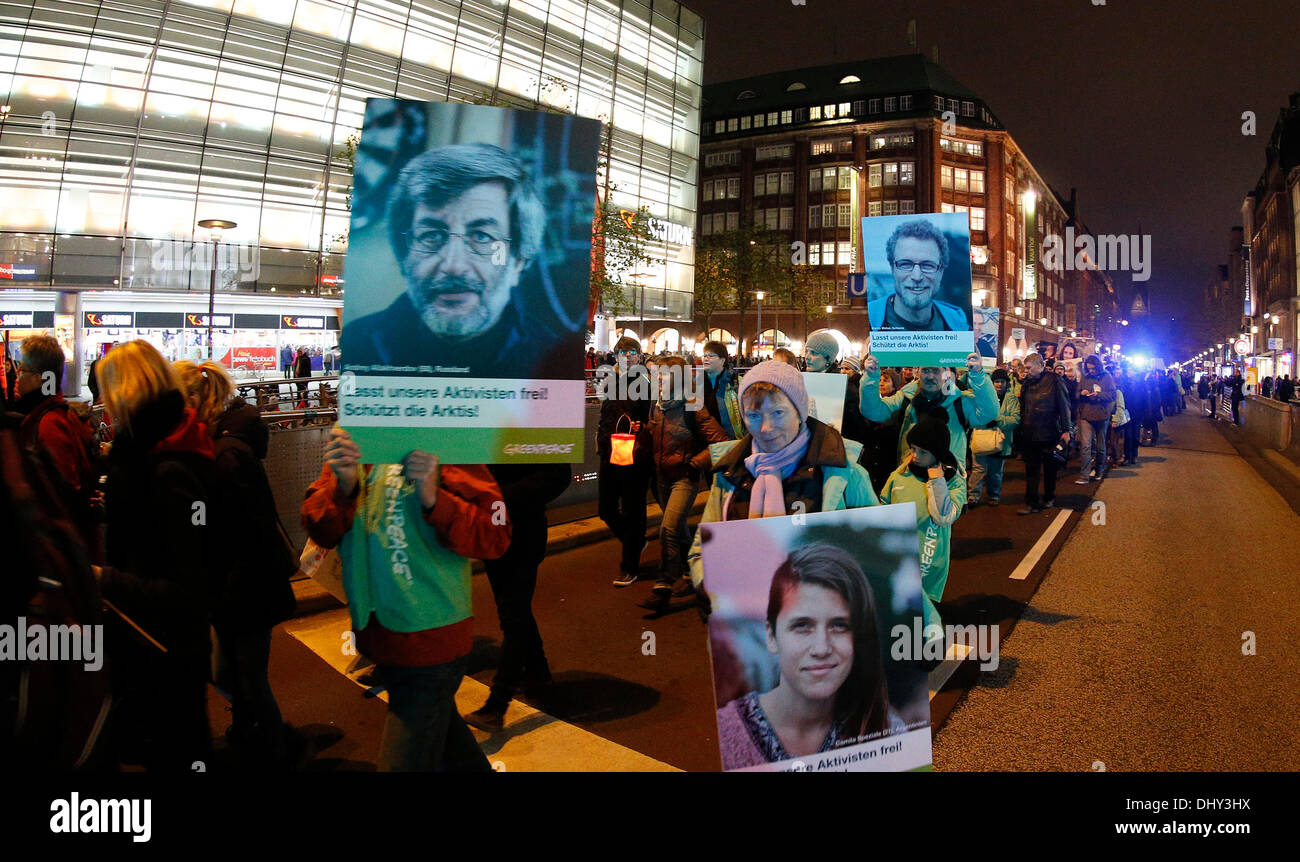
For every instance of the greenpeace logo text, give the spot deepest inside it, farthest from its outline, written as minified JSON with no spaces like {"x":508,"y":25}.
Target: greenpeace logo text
{"x":935,"y":643}
{"x":538,"y":449}
{"x":41,"y":642}
{"x":131,"y":816}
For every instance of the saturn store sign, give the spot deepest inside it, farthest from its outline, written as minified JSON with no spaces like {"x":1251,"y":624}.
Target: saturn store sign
{"x":109,"y":319}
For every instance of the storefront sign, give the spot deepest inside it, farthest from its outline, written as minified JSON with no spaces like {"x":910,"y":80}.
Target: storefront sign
{"x":297,"y":321}
{"x":1031,"y":248}
{"x":17,"y":320}
{"x":200,"y":321}
{"x":1018,"y":333}
{"x":109,"y":319}
{"x":253,"y":357}
{"x":17,"y":270}
{"x":1275,"y":344}
{"x":332,"y":280}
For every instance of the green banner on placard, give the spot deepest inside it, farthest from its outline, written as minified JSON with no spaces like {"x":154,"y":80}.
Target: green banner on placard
{"x":381,"y":445}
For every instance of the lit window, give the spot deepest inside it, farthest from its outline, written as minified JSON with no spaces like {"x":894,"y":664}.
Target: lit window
{"x":821,"y":148}
{"x":844,"y":109}
{"x":945,"y":207}
{"x":977,"y":182}
{"x":891,"y":174}
{"x":873,"y":208}
{"x":945,"y":144}
{"x":733,"y":124}
{"x":744,"y":123}
{"x":1011,"y":189}
{"x":850,"y":79}
{"x":771,"y":217}
{"x":814,"y":217}
{"x":733,"y":187}
{"x":797,"y":85}
{"x":828,"y":112}
{"x":906,"y":207}
{"x":771,"y":118}
{"x":844,"y":255}
{"x":907,"y":173}
{"x":828,"y":254}
{"x":773,"y":184}
{"x":787,"y":182}
{"x":845,"y":215}
{"x":945,"y":176}
{"x":708,"y":190}
{"x":878,"y":142}
{"x":815,"y":112}
{"x":787,"y":116}
{"x":814,"y":254}
{"x":975,"y":150}
{"x":758,"y":121}
{"x":828,"y":215}
{"x":873,"y":176}
{"x":814,"y":179}
{"x":891,"y":207}
{"x":846,"y":178}
{"x":787,"y":218}
{"x":760,"y":185}
{"x":961,"y":180}
{"x":828,"y":180}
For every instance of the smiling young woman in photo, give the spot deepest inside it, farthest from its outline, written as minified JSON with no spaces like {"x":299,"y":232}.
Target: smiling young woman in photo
{"x":822,"y":628}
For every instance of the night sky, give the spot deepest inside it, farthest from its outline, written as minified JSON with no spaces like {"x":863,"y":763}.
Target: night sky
{"x":1137,"y":103}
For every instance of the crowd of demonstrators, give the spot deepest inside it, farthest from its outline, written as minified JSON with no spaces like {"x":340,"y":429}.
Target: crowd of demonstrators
{"x":1279,"y":389}
{"x":1045,"y":420}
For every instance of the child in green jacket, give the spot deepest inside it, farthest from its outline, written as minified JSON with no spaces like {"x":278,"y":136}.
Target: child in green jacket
{"x":931,"y":478}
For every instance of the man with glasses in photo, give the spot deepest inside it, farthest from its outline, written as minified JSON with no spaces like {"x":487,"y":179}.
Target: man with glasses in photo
{"x":465,"y":225}
{"x":917,"y":252}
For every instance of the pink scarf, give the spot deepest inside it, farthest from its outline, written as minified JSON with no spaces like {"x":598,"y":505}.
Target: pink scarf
{"x":768,"y":496}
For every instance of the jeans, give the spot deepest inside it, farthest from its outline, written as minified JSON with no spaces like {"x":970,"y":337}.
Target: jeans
{"x":622,"y":508}
{"x":423,"y":731}
{"x":1092,"y":445}
{"x":513,"y":577}
{"x":1038,"y":459}
{"x":987,"y":469}
{"x":674,"y":530}
{"x":242,"y":661}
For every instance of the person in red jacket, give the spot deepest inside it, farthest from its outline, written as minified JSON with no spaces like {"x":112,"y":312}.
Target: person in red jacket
{"x":405,"y":533}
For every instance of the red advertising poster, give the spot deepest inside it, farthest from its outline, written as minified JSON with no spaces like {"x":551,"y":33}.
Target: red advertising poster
{"x":251,"y":357}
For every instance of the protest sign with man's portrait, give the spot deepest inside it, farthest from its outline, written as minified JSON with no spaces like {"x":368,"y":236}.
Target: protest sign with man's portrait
{"x":918,"y":276}
{"x":467,"y":283}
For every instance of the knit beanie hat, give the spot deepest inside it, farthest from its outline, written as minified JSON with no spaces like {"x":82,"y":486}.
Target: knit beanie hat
{"x":931,"y":434}
{"x":785,"y":377}
{"x":825,"y":344}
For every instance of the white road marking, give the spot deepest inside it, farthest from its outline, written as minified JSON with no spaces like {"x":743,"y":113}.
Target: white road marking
{"x":1040,"y":547}
{"x":957,"y":653}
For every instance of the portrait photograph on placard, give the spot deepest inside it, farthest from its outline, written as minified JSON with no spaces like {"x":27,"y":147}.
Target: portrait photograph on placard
{"x":469,"y":253}
{"x":826,"y":394}
{"x":919,"y":288}
{"x":986,"y":331}
{"x":804,"y":641}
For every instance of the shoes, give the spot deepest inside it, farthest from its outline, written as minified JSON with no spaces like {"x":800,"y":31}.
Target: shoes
{"x":683,"y":588}
{"x":656,"y":601}
{"x":1030,"y":510}
{"x":487,"y":718}
{"x":972,"y":503}
{"x":1082,"y":481}
{"x":663,"y":586}
{"x":1047,"y":504}
{"x":994,"y":501}
{"x":625,"y":579}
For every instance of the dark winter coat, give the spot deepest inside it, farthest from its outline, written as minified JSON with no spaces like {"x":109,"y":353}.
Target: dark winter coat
{"x":257,"y":593}
{"x":1044,"y":409}
{"x":527,"y":489}
{"x":164,"y":530}
{"x":625,"y":396}
{"x":1096,"y":407}
{"x":680,"y":439}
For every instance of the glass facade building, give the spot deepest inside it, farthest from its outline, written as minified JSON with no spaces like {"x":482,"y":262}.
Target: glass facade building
{"x":124,"y":123}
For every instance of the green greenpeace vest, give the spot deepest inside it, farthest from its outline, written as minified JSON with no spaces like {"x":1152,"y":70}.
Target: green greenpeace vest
{"x":393,"y":565}
{"x":935,"y":541}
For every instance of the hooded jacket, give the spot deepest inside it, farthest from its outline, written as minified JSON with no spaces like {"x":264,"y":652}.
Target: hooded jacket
{"x":938,"y":505}
{"x":257,"y":593}
{"x":1098,"y":406}
{"x":1044,"y":408}
{"x":979,"y":407}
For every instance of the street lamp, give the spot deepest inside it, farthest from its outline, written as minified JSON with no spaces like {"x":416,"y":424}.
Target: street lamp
{"x":1124,"y":323}
{"x":759,"y":296}
{"x":216,"y":225}
{"x":1020,"y":311}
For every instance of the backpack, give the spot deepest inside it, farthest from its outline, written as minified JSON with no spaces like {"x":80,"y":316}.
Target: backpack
{"x":51,"y":712}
